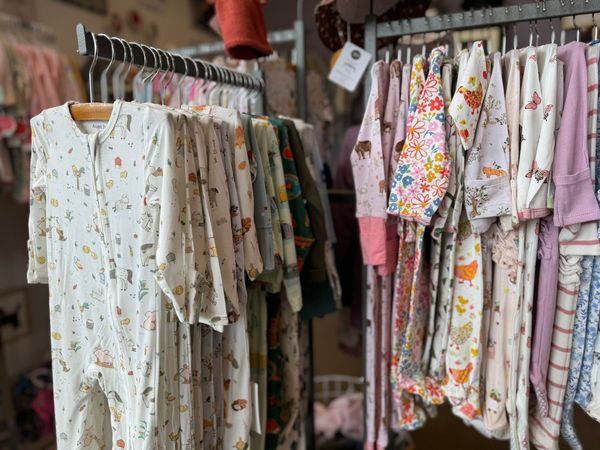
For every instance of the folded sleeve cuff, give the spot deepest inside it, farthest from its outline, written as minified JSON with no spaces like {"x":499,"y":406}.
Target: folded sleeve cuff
{"x":574,"y":199}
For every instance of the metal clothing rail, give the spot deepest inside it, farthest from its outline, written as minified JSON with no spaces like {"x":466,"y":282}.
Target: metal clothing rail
{"x":117,"y":49}
{"x":294,"y":36}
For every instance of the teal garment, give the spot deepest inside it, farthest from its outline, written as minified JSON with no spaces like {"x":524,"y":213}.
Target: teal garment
{"x":303,"y":235}
{"x":318,"y":300}
{"x":314,"y":269}
{"x":262,"y":209}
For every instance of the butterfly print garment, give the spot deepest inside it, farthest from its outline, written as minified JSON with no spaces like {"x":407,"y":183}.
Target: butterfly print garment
{"x":421,"y":178}
{"x":487,"y":185}
{"x":545,"y":430}
{"x":538,"y":119}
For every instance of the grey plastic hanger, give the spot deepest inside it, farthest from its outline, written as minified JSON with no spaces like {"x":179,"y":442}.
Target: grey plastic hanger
{"x":104,"y":74}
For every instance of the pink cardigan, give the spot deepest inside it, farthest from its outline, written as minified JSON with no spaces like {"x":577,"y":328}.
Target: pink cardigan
{"x":574,"y":199}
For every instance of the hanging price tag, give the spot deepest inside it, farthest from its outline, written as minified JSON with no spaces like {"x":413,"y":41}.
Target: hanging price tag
{"x":350,"y":66}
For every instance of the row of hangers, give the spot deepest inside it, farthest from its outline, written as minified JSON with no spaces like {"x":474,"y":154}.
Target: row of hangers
{"x":219,"y":83}
{"x":441,"y":39}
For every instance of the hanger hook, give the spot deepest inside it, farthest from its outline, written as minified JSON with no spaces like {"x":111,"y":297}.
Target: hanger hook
{"x":164,"y":72}
{"x":92,"y":65}
{"x":116,"y":78}
{"x":145,"y":58}
{"x":181,"y":78}
{"x":552,"y":32}
{"x":154,"y":59}
{"x":130,"y":62}
{"x":576,"y":28}
{"x":594,"y":28}
{"x":161,"y":86}
{"x":155,"y":65}
{"x":159,"y":66}
{"x":104,"y":74}
{"x":112,"y":52}
{"x":530,"y":33}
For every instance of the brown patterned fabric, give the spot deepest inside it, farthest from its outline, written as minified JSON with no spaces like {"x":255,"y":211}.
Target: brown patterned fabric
{"x":332,"y":28}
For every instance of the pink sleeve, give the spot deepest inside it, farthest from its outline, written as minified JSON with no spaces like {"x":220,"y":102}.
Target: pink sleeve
{"x":574,"y":199}
{"x":548,"y":253}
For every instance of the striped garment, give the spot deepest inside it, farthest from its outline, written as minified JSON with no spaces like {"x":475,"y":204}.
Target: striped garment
{"x":545,"y":430}
{"x":583,"y":301}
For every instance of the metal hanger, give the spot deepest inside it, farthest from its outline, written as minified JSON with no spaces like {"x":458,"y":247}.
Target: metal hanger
{"x":179,"y":86}
{"x":530,"y":34}
{"x":125,"y":76}
{"x":91,"y":110}
{"x":138,"y":78}
{"x":172,"y":73}
{"x":553,"y":32}
{"x":577,"y":34}
{"x":91,"y":69}
{"x":116,"y":75}
{"x":161,"y":86}
{"x":104,"y":74}
{"x":148,"y":81}
{"x":399,"y":53}
{"x":537,"y":34}
{"x":197,"y":80}
{"x":503,"y":39}
{"x":515,"y":36}
{"x":594,"y":28}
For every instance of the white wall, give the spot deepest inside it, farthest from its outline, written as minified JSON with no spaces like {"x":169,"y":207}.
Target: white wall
{"x":173,"y":21}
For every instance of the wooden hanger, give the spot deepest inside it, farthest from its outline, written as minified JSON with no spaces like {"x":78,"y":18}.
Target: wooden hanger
{"x":82,"y":112}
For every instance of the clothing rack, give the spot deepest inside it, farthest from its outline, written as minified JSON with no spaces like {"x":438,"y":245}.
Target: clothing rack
{"x":114,"y":49}
{"x":294,"y":36}
{"x":182,"y":61}
{"x":481,"y":18}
